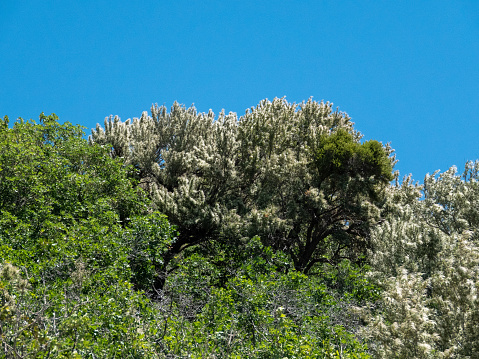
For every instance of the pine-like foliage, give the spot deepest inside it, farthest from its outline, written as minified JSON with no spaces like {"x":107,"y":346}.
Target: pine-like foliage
{"x":426,"y":258}
{"x":294,"y":174}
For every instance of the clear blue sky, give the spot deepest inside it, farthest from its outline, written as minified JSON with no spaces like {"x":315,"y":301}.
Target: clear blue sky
{"x":407,"y":72}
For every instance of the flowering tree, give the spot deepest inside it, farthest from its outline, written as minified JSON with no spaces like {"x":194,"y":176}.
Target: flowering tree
{"x":296,"y":175}
{"x":426,"y":258}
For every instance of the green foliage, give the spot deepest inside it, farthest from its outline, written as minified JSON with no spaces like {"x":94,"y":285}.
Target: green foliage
{"x":338,"y":154}
{"x":65,"y":263}
{"x":61,"y":200}
{"x":148,"y":239}
{"x":349,"y":281}
{"x":64,"y":321}
{"x":49,"y":169}
{"x":259,"y":312}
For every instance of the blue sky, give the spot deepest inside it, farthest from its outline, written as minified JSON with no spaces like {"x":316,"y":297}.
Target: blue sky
{"x":407,"y":72}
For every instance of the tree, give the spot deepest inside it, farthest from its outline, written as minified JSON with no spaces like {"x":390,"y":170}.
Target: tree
{"x":48,"y":169}
{"x":425,"y":257}
{"x":77,"y":236}
{"x":297,"y":175}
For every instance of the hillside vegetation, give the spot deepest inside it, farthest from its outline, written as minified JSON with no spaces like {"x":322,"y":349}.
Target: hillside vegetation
{"x":279,"y":234}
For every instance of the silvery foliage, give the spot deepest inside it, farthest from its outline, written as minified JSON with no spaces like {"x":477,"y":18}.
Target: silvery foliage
{"x":235,"y":178}
{"x":185,"y":159}
{"x":426,"y":259}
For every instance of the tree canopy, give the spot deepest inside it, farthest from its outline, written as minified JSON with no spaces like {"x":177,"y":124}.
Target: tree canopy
{"x":276,"y":234}
{"x":297,"y":175}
